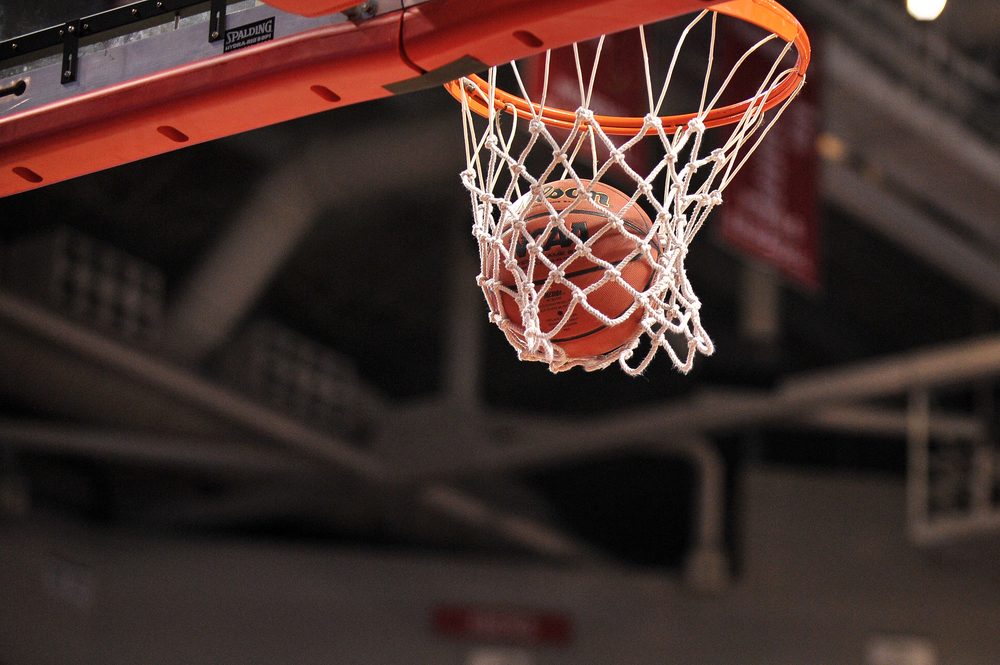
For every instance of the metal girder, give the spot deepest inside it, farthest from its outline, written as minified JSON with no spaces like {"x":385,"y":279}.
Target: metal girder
{"x":142,"y":447}
{"x":911,"y":229}
{"x":518,"y":440}
{"x":925,"y":150}
{"x":303,"y":442}
{"x":878,"y":421}
{"x":331,"y":172}
{"x":187,"y":387}
{"x":525,"y":532}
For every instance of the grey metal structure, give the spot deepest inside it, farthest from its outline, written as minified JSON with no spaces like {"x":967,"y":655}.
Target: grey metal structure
{"x":348,"y":231}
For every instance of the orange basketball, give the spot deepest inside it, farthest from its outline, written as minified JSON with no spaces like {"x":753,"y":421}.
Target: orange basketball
{"x":583,"y":335}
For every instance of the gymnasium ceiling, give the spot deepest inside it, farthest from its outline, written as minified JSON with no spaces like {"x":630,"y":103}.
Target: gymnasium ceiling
{"x":146,"y":436}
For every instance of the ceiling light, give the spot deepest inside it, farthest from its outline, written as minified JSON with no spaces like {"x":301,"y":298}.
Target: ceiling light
{"x":925,"y":10}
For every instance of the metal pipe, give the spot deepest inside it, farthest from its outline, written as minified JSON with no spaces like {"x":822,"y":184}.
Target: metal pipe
{"x":188,"y":387}
{"x":520,"y":530}
{"x":464,"y":332}
{"x":223,"y":288}
{"x":947,"y":364}
{"x":526,"y":440}
{"x":928,"y":150}
{"x":146,"y":448}
{"x":874,"y":421}
{"x":907,"y":227}
{"x":918,"y":438}
{"x":707,"y":566}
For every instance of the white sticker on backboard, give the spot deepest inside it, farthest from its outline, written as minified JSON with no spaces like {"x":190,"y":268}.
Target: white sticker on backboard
{"x":499,"y":657}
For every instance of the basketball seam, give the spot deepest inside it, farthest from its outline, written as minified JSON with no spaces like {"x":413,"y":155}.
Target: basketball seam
{"x":586,"y":271}
{"x":602,"y":326}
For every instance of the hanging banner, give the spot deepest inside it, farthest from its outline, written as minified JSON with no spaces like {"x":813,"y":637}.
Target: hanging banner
{"x":769,"y":210}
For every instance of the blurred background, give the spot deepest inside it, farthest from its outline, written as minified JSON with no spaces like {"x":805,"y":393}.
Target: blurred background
{"x":252,"y":409}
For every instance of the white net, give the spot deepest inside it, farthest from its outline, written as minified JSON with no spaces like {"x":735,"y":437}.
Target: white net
{"x":571,"y":296}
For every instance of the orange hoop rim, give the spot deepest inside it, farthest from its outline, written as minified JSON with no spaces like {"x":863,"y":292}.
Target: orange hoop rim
{"x":766,"y":14}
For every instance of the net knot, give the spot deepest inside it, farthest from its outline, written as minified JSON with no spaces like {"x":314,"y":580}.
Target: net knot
{"x":518,"y":169}
{"x":696,"y":124}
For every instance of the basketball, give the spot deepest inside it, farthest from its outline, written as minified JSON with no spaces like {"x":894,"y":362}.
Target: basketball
{"x":590,"y":220}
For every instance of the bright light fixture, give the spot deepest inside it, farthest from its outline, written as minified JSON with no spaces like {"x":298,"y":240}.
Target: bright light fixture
{"x":925,"y":10}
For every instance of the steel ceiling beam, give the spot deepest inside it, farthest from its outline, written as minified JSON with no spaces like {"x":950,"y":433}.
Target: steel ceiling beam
{"x":332,"y":172}
{"x":225,"y":405}
{"x":305,"y":442}
{"x":521,"y":440}
{"x":922,"y":148}
{"x":146,"y":448}
{"x":911,"y":229}
{"x":879,"y":421}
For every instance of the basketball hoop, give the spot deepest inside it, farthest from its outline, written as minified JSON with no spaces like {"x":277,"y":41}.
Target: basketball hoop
{"x":522,"y":167}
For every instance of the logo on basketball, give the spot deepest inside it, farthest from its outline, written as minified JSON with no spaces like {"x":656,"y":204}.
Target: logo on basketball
{"x":556,"y":238}
{"x":553,"y":192}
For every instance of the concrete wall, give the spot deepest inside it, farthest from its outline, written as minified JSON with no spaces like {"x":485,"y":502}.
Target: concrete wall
{"x":826,"y":567}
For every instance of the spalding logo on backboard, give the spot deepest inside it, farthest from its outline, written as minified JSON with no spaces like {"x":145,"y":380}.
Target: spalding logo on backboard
{"x":250,"y":34}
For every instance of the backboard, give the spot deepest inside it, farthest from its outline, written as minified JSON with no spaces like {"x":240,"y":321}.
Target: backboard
{"x":107,"y":86}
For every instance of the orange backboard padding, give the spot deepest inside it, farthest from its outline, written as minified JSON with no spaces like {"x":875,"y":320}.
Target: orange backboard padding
{"x":312,"y":8}
{"x":443,"y":31}
{"x":216,"y":97}
{"x":294,"y":76}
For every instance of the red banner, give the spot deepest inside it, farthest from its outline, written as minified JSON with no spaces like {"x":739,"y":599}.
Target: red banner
{"x":769,"y":210}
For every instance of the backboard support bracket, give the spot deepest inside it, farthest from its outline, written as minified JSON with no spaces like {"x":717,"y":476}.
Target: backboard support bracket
{"x":94,"y":24}
{"x":71,"y":49}
{"x":217,"y":20}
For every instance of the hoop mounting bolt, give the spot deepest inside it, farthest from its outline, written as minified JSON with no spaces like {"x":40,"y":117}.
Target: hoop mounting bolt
{"x":362,"y":12}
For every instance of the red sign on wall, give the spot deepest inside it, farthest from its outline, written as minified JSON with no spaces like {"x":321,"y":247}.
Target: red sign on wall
{"x":769,"y":209}
{"x":501,"y":625}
